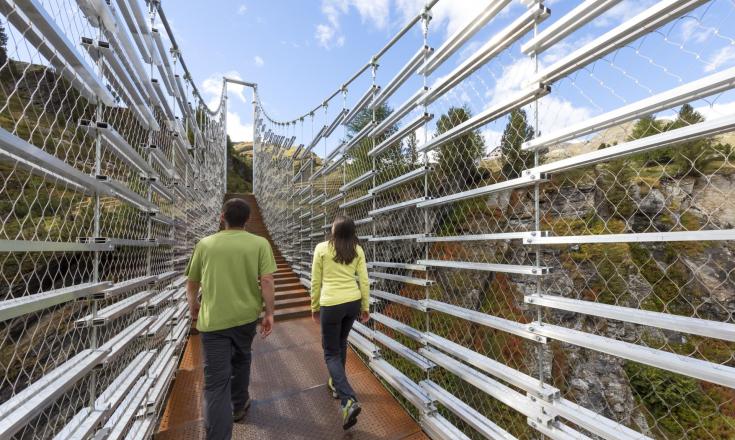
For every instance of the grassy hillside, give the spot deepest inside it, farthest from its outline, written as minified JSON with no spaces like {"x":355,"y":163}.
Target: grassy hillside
{"x":239,"y":167}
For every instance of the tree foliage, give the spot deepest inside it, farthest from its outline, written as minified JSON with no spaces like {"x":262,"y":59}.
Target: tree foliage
{"x":3,"y":45}
{"x":516,"y":132}
{"x":457,"y":160}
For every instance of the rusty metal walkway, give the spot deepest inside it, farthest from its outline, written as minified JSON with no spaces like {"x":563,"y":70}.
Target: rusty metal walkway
{"x":290,"y":399}
{"x":288,"y":380}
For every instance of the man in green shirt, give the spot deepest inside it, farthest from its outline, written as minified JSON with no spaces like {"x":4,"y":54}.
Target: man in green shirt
{"x":227,"y":266}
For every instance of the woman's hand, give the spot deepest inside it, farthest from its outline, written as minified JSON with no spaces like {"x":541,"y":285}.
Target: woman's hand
{"x":315,"y":316}
{"x":364,"y":316}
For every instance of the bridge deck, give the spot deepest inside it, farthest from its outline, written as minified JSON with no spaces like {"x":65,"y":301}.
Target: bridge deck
{"x":290,"y":399}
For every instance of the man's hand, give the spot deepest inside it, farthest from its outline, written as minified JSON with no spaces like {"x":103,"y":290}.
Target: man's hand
{"x":315,"y":316}
{"x":192,"y":289}
{"x":266,"y":326}
{"x":364,"y":316}
{"x":194,"y":310}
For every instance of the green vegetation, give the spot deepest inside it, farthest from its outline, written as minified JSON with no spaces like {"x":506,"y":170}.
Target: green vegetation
{"x":516,"y":132}
{"x":239,"y":169}
{"x":3,"y":45}
{"x":681,"y":407}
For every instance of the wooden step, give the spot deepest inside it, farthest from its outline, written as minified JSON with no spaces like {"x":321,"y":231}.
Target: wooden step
{"x":292,"y":313}
{"x":288,"y":294}
{"x":292,"y":302}
{"x":289,"y":286}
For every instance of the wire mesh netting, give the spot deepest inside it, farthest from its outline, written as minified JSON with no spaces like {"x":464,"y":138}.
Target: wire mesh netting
{"x":108,"y":177}
{"x":546,"y":204}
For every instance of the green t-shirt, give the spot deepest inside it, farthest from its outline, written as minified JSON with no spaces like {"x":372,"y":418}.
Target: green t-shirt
{"x":228,"y":265}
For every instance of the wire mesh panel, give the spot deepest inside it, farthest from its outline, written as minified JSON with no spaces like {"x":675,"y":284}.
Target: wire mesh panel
{"x":544,"y":197}
{"x":108,"y":177}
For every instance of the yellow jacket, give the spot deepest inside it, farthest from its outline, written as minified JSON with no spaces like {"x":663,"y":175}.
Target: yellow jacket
{"x":333,"y":283}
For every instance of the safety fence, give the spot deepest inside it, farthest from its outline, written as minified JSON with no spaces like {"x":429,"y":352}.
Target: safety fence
{"x":108,"y":176}
{"x":546,"y":201}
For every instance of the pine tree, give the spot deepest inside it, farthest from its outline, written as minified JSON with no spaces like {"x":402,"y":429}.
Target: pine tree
{"x":518,"y":131}
{"x":412,"y":155}
{"x":3,"y":45}
{"x":360,"y":160}
{"x":457,"y":159}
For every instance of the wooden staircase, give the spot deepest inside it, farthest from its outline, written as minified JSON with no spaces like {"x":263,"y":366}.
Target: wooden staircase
{"x":292,"y":298}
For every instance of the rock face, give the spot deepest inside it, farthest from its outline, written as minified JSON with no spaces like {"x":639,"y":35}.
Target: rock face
{"x":684,"y":278}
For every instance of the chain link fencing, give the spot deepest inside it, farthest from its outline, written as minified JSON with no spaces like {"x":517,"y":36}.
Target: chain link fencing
{"x":546,"y":202}
{"x":108,"y":176}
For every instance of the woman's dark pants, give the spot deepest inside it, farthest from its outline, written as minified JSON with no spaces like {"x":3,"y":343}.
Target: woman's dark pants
{"x":336,"y":325}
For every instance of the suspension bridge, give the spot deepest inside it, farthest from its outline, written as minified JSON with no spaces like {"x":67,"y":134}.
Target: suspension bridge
{"x":544,"y":194}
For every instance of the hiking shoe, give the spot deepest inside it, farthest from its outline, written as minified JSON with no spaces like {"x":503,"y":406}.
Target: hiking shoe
{"x":350,"y":411}
{"x":332,"y":389}
{"x":239,"y":414}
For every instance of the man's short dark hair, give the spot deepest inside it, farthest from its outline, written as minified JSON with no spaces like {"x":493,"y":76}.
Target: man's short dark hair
{"x":237,"y":212}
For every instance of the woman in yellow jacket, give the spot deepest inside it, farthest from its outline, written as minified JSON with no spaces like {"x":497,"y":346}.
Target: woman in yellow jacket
{"x":339,"y":296}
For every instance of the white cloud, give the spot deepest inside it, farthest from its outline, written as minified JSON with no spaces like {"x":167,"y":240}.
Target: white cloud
{"x":692,"y":30}
{"x":238,"y":130}
{"x":375,"y":12}
{"x":622,"y":12}
{"x":717,"y":110}
{"x":212,"y":88}
{"x":258,"y":60}
{"x":242,"y":9}
{"x":324,"y":35}
{"x":723,"y":56}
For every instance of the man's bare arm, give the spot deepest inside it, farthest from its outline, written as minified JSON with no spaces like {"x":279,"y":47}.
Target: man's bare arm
{"x":267,"y":288}
{"x":192,"y":290}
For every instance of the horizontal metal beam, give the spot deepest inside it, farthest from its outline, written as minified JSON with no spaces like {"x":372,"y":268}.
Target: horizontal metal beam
{"x":357,"y":181}
{"x":402,"y":76}
{"x":677,"y":323}
{"x":398,"y":326}
{"x":407,"y":266}
{"x":39,"y":18}
{"x":52,"y":246}
{"x":499,"y":370}
{"x":398,"y":237}
{"x":482,"y":237}
{"x":398,"y":299}
{"x":401,"y":383}
{"x":395,"y":138}
{"x":654,"y":17}
{"x":489,"y":267}
{"x":582,"y":14}
{"x":402,"y":279}
{"x":499,"y":41}
{"x":439,"y":428}
{"x":35,"y":158}
{"x":398,"y":113}
{"x":396,"y":347}
{"x":24,"y":406}
{"x":692,"y":91}
{"x":514,"y":102}
{"x":401,"y":205}
{"x":696,"y":368}
{"x":640,"y":237}
{"x":668,"y":138}
{"x":357,"y":201}
{"x":502,"y":324}
{"x":14,"y":307}
{"x":361,"y":103}
{"x":472,"y":417}
{"x":409,"y":176}
{"x":530,"y":177}
{"x":455,"y":41}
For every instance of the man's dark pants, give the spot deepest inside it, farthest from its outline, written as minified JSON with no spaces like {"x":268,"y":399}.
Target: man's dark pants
{"x":226,"y":376}
{"x":336,"y":325}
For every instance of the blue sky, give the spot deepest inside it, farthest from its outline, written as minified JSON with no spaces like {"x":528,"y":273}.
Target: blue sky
{"x":300,"y":51}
